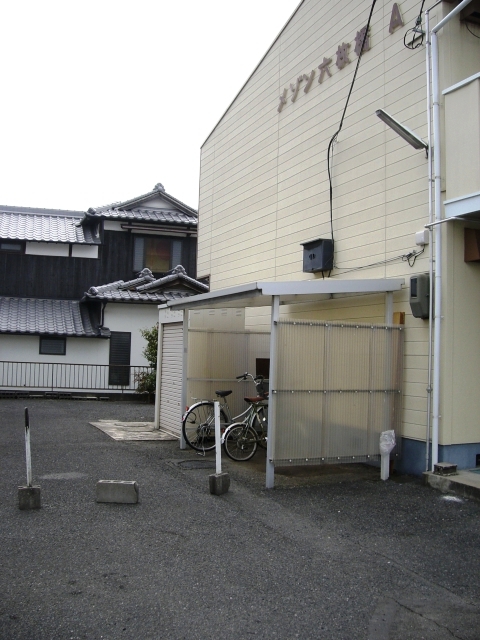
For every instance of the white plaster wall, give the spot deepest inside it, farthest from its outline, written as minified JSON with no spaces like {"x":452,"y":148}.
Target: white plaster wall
{"x":132,"y":318}
{"x":84,"y":251}
{"x":16,"y":348}
{"x":113,"y":225}
{"x":47,"y":249}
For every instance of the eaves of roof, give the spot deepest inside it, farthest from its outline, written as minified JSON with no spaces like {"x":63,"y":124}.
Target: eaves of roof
{"x":64,"y":213}
{"x":36,"y":227}
{"x":146,"y":215}
{"x":136,"y":297}
{"x":164,"y":194}
{"x":129,"y":205}
{"x":38,"y":316}
{"x":148,"y":290}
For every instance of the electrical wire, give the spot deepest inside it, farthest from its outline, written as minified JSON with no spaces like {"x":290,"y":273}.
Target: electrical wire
{"x":406,"y":257}
{"x":468,"y":29}
{"x":335,"y":136}
{"x":418,"y":34}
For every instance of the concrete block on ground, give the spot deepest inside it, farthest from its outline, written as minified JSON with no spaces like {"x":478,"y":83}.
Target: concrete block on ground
{"x":119,"y":491}
{"x":29,"y":498}
{"x":219,"y":483}
{"x":445,"y":469}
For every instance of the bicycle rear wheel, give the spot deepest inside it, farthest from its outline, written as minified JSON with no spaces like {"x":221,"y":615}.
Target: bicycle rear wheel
{"x":240,"y":442}
{"x":198,"y":426}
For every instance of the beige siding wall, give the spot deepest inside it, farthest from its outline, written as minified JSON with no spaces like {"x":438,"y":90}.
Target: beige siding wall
{"x":264,"y":185}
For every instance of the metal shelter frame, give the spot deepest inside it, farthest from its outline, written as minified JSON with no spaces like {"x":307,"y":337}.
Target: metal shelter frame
{"x":275,"y":295}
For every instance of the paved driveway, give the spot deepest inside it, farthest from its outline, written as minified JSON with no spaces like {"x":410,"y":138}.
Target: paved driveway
{"x":336,"y":555}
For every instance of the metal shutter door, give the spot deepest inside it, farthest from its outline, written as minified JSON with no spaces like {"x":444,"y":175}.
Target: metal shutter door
{"x":171,"y":387}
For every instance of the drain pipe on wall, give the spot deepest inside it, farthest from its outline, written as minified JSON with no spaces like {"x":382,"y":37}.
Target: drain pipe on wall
{"x":433,"y":39}
{"x":430,"y":234}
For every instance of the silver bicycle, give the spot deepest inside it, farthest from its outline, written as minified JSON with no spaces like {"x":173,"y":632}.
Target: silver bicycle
{"x":198,"y":423}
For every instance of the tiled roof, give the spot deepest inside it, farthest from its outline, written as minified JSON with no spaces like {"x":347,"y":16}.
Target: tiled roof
{"x":180,"y":213}
{"x":164,"y":216}
{"x":44,"y":227}
{"x":146,"y":289}
{"x":45,"y":317}
{"x":158,"y":188}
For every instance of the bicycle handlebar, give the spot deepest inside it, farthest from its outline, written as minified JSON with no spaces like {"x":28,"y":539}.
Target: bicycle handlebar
{"x":246,"y":375}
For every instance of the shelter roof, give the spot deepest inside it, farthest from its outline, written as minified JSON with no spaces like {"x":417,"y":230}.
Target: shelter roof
{"x":260,"y":294}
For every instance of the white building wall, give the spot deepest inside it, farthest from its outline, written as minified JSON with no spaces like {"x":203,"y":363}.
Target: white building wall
{"x":47,"y":249}
{"x":15,"y":348}
{"x":132,"y":318}
{"x":264,"y":184}
{"x":84,"y":251}
{"x":118,"y":317}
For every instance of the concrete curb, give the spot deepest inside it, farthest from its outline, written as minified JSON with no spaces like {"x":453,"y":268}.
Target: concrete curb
{"x":118,"y":491}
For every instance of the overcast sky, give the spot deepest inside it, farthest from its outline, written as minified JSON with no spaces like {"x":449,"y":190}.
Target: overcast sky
{"x":102,"y":99}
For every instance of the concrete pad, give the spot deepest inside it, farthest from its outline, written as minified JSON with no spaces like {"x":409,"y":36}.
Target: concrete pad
{"x":464,"y":483}
{"x":133,"y":431}
{"x":118,"y":491}
{"x":219,"y":483}
{"x":29,"y":498}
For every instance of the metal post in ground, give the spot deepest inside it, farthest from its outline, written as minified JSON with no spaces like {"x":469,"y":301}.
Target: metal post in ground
{"x":218,"y":482}
{"x":28,"y":454}
{"x":29,"y":496}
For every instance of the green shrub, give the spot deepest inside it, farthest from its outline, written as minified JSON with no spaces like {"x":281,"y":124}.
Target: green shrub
{"x":146,"y":382}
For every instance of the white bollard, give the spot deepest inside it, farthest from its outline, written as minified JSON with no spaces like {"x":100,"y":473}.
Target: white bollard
{"x":218,"y":482}
{"x":385,"y":466}
{"x":29,"y":497}
{"x":387,"y":443}
{"x":28,"y":454}
{"x":218,"y":438}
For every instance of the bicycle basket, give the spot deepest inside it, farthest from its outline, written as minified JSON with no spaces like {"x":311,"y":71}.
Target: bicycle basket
{"x":260,"y":387}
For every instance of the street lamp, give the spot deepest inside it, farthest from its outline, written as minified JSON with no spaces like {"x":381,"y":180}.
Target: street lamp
{"x":407,"y":134}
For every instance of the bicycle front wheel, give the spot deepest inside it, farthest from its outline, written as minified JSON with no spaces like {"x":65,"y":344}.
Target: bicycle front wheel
{"x":240,"y":442}
{"x":198,"y":426}
{"x":261,"y":427}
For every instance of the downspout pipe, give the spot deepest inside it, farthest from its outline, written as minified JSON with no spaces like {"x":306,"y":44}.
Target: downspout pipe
{"x":438,"y":228}
{"x":430,"y":233}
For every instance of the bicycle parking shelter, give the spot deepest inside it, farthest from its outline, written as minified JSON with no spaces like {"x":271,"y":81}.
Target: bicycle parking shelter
{"x":338,"y":383}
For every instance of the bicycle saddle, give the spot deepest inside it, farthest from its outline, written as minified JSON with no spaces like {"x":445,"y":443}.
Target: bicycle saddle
{"x":223,"y":394}
{"x":257,"y":398}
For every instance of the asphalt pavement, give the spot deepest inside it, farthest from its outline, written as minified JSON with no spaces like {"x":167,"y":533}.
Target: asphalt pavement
{"x":332,"y":553}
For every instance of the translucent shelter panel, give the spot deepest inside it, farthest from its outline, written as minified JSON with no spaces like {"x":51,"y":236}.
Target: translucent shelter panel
{"x":216,"y":358}
{"x":339,"y":386}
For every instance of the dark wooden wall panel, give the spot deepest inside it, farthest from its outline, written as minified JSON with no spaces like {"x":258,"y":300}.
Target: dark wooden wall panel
{"x":55,"y":277}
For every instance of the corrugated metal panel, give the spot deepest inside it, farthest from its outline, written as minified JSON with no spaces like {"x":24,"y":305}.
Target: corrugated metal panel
{"x":171,"y":387}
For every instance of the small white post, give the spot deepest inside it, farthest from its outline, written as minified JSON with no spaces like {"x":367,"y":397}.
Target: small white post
{"x":385,"y":466}
{"x":218,"y":436}
{"x":27,"y":449}
{"x":387,"y":444}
